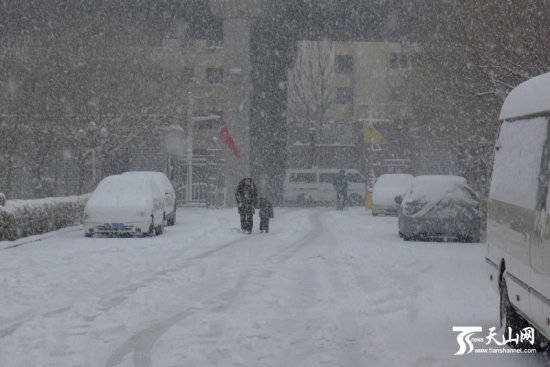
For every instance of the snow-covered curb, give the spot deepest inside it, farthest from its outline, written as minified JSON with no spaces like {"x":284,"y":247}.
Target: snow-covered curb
{"x":22,"y":218}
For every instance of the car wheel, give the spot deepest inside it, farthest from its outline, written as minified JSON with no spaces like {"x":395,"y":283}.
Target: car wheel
{"x":151,"y":227}
{"x":159,"y":230}
{"x":172,"y":219}
{"x":509,"y":318}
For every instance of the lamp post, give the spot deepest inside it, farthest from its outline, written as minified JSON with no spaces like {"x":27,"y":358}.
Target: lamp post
{"x":313,"y":144}
{"x":189,"y":191}
{"x":95,"y":138}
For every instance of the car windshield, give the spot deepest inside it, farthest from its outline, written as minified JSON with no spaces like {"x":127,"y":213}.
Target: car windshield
{"x":428,"y":191}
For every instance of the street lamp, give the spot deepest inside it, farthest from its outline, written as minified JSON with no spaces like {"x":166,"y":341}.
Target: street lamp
{"x":313,"y":145}
{"x":96,"y":138}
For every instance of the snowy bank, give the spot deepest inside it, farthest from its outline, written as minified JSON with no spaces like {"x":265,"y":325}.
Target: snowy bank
{"x":22,"y":218}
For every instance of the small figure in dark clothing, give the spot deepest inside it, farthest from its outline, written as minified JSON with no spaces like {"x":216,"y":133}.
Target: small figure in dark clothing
{"x":266,"y":212}
{"x":247,"y":199}
{"x":341,"y":186}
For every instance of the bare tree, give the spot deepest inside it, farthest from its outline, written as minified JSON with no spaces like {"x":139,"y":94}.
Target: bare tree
{"x":311,"y":92}
{"x":473,"y":54}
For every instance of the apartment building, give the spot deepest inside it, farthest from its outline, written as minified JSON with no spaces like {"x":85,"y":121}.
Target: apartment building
{"x":366,"y":84}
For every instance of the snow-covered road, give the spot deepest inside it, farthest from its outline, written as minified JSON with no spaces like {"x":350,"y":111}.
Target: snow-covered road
{"x":323,"y":288}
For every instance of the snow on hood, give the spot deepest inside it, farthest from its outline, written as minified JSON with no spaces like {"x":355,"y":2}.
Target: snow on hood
{"x":428,"y":191}
{"x":528,"y":98}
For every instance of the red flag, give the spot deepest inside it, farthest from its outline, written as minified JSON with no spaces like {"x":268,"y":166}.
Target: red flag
{"x":227,"y":139}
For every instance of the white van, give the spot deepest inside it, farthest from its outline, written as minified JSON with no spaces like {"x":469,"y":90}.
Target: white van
{"x":308,"y":186}
{"x":518,"y":230}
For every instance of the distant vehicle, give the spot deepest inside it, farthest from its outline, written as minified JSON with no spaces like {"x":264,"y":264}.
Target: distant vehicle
{"x":125,"y":204}
{"x":386,"y":188}
{"x":518,"y":226}
{"x":439,"y":207}
{"x":166,"y":187}
{"x":314,"y":186}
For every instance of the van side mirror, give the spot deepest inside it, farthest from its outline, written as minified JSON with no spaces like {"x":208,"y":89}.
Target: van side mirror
{"x":398,"y":199}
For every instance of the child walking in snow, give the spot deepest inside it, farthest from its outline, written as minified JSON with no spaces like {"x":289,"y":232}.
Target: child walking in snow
{"x":266,"y":212}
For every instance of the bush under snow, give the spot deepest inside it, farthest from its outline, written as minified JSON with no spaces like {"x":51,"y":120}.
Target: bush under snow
{"x":21,"y":218}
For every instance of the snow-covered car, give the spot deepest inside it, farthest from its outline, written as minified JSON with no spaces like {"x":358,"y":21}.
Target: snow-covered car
{"x":166,"y":187}
{"x":125,"y":204}
{"x":439,"y":207}
{"x":386,"y":188}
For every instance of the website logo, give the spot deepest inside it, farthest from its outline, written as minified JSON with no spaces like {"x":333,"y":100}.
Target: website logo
{"x":464,"y":338}
{"x":470,"y":335}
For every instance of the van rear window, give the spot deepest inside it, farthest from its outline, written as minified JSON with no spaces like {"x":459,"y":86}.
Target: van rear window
{"x":327,"y":177}
{"x":355,"y":178}
{"x":303,"y":178}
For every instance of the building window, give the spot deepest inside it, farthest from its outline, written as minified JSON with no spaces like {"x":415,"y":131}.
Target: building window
{"x":344,"y":64}
{"x":394,"y":60}
{"x":214,"y":43}
{"x":213,"y":33}
{"x":396,"y":94}
{"x":214,"y":75}
{"x":399,"y":60}
{"x":187,"y":74}
{"x":344,"y":95}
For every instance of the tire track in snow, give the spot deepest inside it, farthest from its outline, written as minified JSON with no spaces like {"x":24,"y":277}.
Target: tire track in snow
{"x":141,"y":344}
{"x":307,"y":239}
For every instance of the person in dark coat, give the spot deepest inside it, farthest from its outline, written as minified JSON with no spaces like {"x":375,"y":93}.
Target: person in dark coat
{"x":266,"y":212}
{"x":247,"y":200}
{"x":340,"y":184}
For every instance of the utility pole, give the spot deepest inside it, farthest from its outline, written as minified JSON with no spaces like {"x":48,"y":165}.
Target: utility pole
{"x":190,"y":128}
{"x":370,"y":130}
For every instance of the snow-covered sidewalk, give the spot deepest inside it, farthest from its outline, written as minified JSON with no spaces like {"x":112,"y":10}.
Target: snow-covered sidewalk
{"x":323,"y":288}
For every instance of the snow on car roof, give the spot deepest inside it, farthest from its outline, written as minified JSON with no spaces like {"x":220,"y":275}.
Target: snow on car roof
{"x":397,"y":178}
{"x":121,"y":186}
{"x":528,"y":98}
{"x":159,"y":177}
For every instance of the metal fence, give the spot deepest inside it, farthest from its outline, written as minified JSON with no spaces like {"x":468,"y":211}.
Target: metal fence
{"x":203,"y":195}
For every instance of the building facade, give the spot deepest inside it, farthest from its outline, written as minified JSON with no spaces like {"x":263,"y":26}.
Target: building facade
{"x":157,"y":97}
{"x":364,"y":86}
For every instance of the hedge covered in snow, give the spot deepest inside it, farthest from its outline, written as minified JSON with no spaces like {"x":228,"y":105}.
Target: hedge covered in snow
{"x":21,"y":218}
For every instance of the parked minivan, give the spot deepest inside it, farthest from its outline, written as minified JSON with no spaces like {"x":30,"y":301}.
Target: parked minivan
{"x":305,"y":187}
{"x":166,"y":188}
{"x":518,"y":228}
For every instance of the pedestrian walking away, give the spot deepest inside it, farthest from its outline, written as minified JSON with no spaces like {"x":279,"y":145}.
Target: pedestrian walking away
{"x":247,"y":200}
{"x":340,"y":184}
{"x":266,"y":213}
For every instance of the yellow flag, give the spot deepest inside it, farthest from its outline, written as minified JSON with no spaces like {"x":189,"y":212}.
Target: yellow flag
{"x":372,"y":136}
